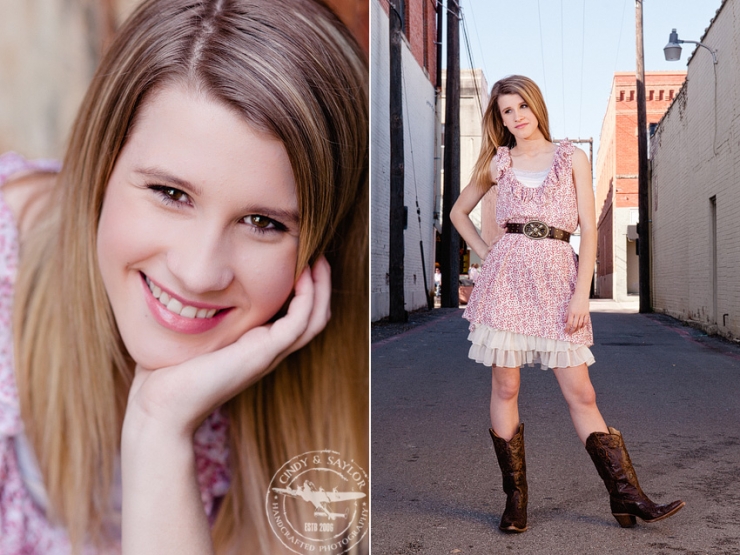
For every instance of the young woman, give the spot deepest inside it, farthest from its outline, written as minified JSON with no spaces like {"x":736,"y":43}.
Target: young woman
{"x":530,"y":301}
{"x":188,"y":293}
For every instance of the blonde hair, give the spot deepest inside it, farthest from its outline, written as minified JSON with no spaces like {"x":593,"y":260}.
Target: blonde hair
{"x":291,"y":69}
{"x":495,"y":134}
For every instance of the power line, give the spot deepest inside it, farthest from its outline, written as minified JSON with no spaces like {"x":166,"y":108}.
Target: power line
{"x":619,"y":40}
{"x":542,"y":48}
{"x":477,"y":35}
{"x":583,"y":55}
{"x":470,"y":59}
{"x":562,"y":58}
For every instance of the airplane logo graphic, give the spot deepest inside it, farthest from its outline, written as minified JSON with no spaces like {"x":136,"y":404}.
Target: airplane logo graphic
{"x":321,"y":498}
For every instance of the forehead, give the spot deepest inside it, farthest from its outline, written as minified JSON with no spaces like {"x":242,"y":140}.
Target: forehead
{"x":509,"y":100}
{"x":187,"y":134}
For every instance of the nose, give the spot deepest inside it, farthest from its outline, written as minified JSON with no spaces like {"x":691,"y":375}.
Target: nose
{"x":199,"y":259}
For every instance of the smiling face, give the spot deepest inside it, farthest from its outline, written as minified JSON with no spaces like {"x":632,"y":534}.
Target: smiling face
{"x":198,"y":235}
{"x":518,"y":117}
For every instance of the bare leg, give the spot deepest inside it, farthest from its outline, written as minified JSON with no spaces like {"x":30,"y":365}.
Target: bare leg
{"x":581,"y":398}
{"x":505,"y":401}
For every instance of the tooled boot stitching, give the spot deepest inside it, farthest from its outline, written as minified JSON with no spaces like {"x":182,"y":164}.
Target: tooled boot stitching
{"x":626,"y":498}
{"x":513,"y":466}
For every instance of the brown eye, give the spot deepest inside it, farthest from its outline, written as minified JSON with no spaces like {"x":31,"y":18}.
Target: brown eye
{"x":170,"y":195}
{"x":175,"y":194}
{"x":259,"y":221}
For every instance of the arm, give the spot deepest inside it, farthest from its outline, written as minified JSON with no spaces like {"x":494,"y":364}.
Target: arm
{"x":578,"y":308}
{"x":162,"y":510}
{"x":460,"y":217}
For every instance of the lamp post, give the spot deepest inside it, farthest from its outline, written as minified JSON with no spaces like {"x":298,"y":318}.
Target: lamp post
{"x":672,"y":50}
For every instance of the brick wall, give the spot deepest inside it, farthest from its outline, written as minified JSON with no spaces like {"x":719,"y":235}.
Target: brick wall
{"x":616,"y":174}
{"x":695,"y":193}
{"x":420,"y":29}
{"x":420,"y":131}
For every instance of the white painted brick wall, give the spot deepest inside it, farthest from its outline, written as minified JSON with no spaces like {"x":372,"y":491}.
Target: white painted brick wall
{"x":419,"y":147}
{"x":689,"y":167}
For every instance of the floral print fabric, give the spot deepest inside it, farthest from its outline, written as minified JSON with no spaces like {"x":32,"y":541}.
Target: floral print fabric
{"x":525,"y":285}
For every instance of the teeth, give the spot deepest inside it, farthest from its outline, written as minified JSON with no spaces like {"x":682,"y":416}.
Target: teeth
{"x":188,"y":311}
{"x":173,"y":305}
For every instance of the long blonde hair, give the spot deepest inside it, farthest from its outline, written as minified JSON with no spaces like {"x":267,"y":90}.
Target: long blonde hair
{"x":495,"y":134}
{"x":291,"y":69}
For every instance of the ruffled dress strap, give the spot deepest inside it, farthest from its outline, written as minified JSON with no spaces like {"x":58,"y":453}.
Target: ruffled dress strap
{"x":564,"y":156}
{"x":501,"y":161}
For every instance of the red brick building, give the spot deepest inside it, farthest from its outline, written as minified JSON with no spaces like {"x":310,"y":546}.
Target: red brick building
{"x":420,"y":28}
{"x":617,"y":274}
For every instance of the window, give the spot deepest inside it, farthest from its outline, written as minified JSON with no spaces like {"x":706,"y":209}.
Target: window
{"x":632,"y":96}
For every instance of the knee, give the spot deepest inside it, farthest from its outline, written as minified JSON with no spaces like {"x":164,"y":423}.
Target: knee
{"x":582,"y":396}
{"x":506,"y":388}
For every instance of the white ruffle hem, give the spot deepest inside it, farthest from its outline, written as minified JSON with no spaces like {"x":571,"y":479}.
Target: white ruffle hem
{"x":508,"y":349}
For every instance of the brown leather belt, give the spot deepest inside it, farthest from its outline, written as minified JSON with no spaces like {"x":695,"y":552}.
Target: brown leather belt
{"x":535,"y":229}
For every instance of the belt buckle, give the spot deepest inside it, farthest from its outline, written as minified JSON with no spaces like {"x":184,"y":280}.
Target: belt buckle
{"x":535,"y":229}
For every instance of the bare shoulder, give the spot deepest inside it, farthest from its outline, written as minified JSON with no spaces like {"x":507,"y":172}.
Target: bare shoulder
{"x":579,"y":156}
{"x":581,"y":164}
{"x":27,"y":195}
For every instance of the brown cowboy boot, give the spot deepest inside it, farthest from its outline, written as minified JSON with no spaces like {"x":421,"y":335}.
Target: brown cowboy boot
{"x":625,"y":495}
{"x":510,"y":455}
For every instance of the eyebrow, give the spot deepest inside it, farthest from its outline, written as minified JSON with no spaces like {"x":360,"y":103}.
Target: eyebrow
{"x":283,"y":216}
{"x":162,"y":175}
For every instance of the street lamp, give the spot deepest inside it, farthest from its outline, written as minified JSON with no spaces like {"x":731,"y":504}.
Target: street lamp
{"x":672,"y":50}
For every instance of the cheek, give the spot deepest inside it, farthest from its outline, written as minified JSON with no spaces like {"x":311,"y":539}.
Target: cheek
{"x":112,"y":244}
{"x":121,"y":240}
{"x":269,"y":286}
{"x":267,"y":277}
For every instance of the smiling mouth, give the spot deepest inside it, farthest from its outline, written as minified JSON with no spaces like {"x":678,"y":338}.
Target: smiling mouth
{"x":176,"y":307}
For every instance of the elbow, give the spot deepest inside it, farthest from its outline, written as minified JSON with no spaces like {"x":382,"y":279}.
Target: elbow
{"x":455,"y":215}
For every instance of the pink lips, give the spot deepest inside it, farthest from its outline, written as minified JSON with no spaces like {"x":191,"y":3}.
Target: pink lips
{"x":177,"y":323}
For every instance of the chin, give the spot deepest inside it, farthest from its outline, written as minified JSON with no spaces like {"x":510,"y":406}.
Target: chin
{"x":153,"y":355}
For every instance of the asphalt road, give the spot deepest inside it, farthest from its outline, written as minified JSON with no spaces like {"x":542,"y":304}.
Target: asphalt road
{"x":436,"y":488}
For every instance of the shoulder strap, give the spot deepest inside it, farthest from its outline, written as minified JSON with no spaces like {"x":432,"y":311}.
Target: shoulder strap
{"x":12,"y":163}
{"x":502,"y":160}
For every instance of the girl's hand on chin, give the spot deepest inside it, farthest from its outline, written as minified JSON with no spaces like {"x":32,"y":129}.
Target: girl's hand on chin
{"x":180,"y":397}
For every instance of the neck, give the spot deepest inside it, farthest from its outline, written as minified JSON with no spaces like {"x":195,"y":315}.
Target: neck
{"x":533,"y":145}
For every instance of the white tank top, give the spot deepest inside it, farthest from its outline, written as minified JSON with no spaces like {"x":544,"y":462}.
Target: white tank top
{"x":531,"y":179}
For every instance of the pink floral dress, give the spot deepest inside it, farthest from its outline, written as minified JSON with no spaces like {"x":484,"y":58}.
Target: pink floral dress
{"x":518,"y":307}
{"x":24,"y":528}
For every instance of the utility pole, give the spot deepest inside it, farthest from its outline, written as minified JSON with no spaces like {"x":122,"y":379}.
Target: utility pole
{"x":396,"y":253}
{"x":450,"y":244}
{"x":643,"y":226}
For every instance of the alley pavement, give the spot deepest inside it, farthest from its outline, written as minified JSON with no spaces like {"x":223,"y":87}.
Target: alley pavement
{"x":673,"y":392}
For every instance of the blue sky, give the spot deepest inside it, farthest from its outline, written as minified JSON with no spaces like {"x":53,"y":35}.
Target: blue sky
{"x":574,"y":57}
